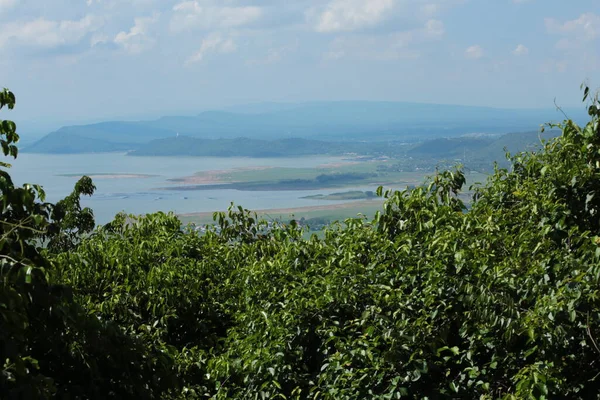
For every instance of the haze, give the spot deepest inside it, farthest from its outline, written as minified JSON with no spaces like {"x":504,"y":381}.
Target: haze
{"x":82,"y":61}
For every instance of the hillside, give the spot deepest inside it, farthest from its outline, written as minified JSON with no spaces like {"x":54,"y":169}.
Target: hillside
{"x":450,"y":147}
{"x":64,"y":142}
{"x":246,"y":147}
{"x":100,"y":137}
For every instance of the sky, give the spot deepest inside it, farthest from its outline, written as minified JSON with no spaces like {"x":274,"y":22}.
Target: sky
{"x":89,"y":60}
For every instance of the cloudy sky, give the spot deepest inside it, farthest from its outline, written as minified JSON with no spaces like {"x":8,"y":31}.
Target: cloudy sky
{"x":82,"y":60}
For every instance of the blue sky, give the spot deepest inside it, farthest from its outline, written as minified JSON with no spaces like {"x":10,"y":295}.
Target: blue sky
{"x":83,"y":60}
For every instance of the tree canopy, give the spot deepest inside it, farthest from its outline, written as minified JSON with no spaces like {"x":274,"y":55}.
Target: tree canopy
{"x":427,"y":299}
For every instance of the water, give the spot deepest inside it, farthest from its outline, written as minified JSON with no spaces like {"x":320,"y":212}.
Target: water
{"x":140,"y":195}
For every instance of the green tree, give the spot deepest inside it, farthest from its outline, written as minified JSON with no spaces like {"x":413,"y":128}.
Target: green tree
{"x":49,"y":344}
{"x":430,"y":299}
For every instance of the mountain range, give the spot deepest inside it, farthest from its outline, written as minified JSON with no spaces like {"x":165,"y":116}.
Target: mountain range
{"x":357,"y":121}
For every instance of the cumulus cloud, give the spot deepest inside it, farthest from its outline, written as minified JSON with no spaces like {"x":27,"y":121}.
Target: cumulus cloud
{"x":521,"y":50}
{"x":190,"y":15}
{"x":576,"y":34}
{"x":349,"y":15}
{"x":474,"y":52}
{"x":137,"y":39}
{"x":434,"y":28}
{"x":48,"y":33}
{"x":99,"y":38}
{"x":391,"y":46}
{"x":213,"y":43}
{"x":586,"y":27}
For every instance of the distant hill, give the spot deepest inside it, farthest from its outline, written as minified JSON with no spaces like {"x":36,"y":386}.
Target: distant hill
{"x":101,"y":137}
{"x":62,"y":142}
{"x":332,"y":121}
{"x":482,"y":147}
{"x":519,"y":141}
{"x":238,"y":147}
{"x":444,"y":147}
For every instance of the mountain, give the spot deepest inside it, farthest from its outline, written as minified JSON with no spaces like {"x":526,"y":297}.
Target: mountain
{"x":333,"y":121}
{"x":239,"y":147}
{"x":246,"y":147}
{"x":444,"y":147}
{"x":100,"y":137}
{"x":480,"y":151}
{"x":62,"y":142}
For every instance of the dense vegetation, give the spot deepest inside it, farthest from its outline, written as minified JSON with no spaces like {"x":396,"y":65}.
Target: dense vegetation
{"x":426,"y":300}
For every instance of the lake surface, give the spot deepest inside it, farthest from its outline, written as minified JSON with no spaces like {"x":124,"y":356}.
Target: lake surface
{"x":140,"y":195}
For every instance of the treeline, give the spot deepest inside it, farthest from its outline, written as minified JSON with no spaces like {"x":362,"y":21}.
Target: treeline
{"x":479,"y":152}
{"x":425,"y":300}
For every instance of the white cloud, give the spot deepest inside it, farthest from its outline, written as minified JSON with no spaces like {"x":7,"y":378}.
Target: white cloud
{"x":137,"y":40}
{"x":350,"y":15}
{"x":521,"y":50}
{"x":99,"y":38}
{"x":434,"y":28}
{"x":6,"y":4}
{"x":586,"y":27}
{"x":47,"y":33}
{"x":391,"y":46}
{"x":194,"y":15}
{"x":474,"y":52}
{"x":214,"y":42}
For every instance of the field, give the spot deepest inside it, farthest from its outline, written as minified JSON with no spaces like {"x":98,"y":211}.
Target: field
{"x":345,"y":204}
{"x":333,"y":212}
{"x":343,"y":175}
{"x":350,"y":195}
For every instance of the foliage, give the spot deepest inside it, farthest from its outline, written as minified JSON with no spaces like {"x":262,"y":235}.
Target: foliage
{"x":50,"y":345}
{"x":427,"y":300}
{"x":72,"y":221}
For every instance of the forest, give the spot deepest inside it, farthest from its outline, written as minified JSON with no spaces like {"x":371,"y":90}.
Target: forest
{"x":425,"y":299}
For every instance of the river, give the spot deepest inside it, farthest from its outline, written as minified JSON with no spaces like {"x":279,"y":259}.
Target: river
{"x":140,"y":195}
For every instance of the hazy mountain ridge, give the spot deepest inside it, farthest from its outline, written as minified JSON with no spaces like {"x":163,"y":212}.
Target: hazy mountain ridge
{"x":247,"y":147}
{"x":331,"y":121}
{"x":479,"y":151}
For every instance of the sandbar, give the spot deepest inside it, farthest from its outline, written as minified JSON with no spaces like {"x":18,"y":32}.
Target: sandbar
{"x":214,"y":176}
